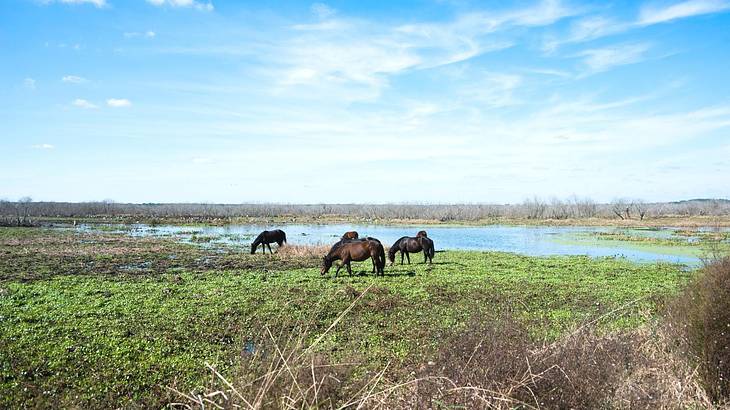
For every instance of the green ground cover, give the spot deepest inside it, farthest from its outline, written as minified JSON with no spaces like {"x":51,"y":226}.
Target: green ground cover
{"x":101,"y":319}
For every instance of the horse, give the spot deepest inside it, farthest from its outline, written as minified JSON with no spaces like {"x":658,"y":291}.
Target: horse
{"x":421,"y":234}
{"x":265,"y":239}
{"x":407,"y":245}
{"x":355,"y":250}
{"x":350,"y":235}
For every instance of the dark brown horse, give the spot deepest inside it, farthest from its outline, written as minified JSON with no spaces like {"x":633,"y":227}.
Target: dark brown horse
{"x":421,"y":234}
{"x":355,"y":250}
{"x":407,"y":245}
{"x":266,"y":238}
{"x":350,"y":235}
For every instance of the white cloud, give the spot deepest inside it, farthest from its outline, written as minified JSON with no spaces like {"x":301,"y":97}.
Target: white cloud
{"x":43,"y":146}
{"x":322,"y":10}
{"x":97,"y":3}
{"x":133,"y":34}
{"x":493,"y":89}
{"x":29,"y":83}
{"x":73,"y":79}
{"x":117,"y":103}
{"x":602,"y":59}
{"x":689,"y":8}
{"x":81,"y":103}
{"x":183,"y":3}
{"x":338,"y":52}
{"x":593,"y":27}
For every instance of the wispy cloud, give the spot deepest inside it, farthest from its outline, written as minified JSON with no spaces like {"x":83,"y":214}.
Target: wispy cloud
{"x":29,"y":83}
{"x":322,"y":10}
{"x":654,"y":15}
{"x":81,"y":103}
{"x":74,"y":79}
{"x":340,"y":52}
{"x":492,"y":89}
{"x":598,"y":26}
{"x":146,"y":34}
{"x":602,"y":59}
{"x":118,"y":102}
{"x":97,"y":3}
{"x":183,"y":3}
{"x":42,"y":146}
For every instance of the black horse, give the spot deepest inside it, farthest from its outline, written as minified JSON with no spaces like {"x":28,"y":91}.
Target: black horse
{"x":266,"y":238}
{"x":407,"y":245}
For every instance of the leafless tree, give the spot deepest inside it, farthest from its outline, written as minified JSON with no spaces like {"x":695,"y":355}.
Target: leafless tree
{"x":639,"y":208}
{"x":620,"y":207}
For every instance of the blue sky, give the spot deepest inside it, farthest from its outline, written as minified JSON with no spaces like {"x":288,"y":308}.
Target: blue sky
{"x":398,"y":101}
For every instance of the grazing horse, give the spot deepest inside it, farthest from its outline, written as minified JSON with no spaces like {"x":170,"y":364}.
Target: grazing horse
{"x":350,"y":235}
{"x":265,"y":239}
{"x":421,"y":234}
{"x":355,"y":250}
{"x":407,"y":245}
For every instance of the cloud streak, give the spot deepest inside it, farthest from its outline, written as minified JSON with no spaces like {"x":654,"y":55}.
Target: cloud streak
{"x":183,"y":3}
{"x":118,"y":102}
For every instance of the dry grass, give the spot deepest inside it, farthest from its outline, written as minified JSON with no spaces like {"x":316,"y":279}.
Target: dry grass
{"x":303,"y":251}
{"x":699,"y":321}
{"x":492,"y":364}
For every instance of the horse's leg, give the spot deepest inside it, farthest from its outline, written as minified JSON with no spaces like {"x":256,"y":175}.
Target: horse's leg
{"x":270,"y":251}
{"x":349,"y":268}
{"x":402,"y":255}
{"x":337,"y":272}
{"x":408,"y":256}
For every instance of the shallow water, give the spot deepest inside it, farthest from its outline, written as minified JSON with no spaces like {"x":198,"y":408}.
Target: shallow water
{"x":528,"y":240}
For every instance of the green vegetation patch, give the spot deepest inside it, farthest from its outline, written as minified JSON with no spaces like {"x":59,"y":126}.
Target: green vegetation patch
{"x":114,"y":338}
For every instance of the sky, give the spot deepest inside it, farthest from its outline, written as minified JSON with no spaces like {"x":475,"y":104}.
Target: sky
{"x":364,"y":102}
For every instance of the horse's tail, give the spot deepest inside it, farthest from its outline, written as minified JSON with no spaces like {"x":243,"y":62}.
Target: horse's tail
{"x":431,"y":251}
{"x":381,"y":251}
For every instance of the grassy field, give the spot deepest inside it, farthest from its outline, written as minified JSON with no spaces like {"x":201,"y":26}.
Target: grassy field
{"x":102,"y":319}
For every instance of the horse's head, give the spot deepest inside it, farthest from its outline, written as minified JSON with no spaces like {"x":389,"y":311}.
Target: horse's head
{"x":421,"y":234}
{"x":391,"y":254}
{"x":326,"y":265}
{"x":253,"y":248}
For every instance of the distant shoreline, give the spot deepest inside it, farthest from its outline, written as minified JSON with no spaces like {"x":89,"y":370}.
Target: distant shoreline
{"x":722,"y":221}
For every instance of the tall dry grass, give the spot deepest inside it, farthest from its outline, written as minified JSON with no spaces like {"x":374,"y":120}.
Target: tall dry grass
{"x":699,"y":322}
{"x":493,"y":363}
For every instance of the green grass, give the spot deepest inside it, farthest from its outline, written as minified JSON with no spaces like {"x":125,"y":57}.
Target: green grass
{"x":73,"y":337}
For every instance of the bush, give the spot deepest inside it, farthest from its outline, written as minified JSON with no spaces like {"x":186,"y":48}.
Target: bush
{"x":700,"y":320}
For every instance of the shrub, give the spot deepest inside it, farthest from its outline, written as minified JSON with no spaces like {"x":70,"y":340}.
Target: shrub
{"x":700,"y":320}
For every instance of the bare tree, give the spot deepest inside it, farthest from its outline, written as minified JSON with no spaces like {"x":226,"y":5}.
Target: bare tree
{"x":639,"y":207}
{"x":620,"y":207}
{"x":535,"y":208}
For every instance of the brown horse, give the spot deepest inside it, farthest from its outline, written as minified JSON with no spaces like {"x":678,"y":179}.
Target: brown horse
{"x":421,"y":234}
{"x":350,"y":235}
{"x":407,"y":245}
{"x":358,"y":251}
{"x":266,"y":238}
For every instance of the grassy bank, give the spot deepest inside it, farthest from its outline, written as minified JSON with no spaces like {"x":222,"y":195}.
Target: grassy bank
{"x":102,"y":319}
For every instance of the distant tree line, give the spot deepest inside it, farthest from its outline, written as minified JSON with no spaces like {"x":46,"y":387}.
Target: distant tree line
{"x":25,"y":211}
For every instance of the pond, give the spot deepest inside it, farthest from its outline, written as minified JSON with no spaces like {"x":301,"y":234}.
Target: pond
{"x":642,"y":245}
